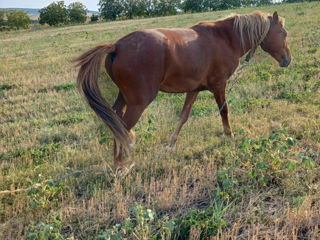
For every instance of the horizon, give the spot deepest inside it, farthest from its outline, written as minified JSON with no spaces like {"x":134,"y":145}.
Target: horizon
{"x":38,"y":4}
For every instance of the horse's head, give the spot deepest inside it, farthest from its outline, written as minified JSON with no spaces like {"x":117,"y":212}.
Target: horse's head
{"x":275,"y":42}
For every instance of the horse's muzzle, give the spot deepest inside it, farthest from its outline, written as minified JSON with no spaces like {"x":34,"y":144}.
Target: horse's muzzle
{"x":285,"y":61}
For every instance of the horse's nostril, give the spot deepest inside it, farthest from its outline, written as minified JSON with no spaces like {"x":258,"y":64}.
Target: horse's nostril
{"x":285,"y":61}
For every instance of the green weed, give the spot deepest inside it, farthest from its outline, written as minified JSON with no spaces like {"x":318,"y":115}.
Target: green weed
{"x":67,"y":120}
{"x":208,"y":221}
{"x":44,"y":196}
{"x":65,"y":87}
{"x":38,"y":155}
{"x":48,"y":230}
{"x":4,"y":87}
{"x":144,"y":224}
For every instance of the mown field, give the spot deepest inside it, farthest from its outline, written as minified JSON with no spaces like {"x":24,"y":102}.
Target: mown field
{"x":263,"y":184}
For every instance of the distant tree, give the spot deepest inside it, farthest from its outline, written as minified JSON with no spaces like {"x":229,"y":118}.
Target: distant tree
{"x":94,"y":18}
{"x":227,"y":4}
{"x":211,"y":5}
{"x":54,"y":14}
{"x":110,"y":9}
{"x":17,"y":19}
{"x":193,"y":5}
{"x":256,"y":2}
{"x":134,"y":8}
{"x":150,"y":7}
{"x":166,"y":7}
{"x":2,"y":14}
{"x":248,"y":2}
{"x":77,"y":12}
{"x":292,"y":1}
{"x":263,"y":2}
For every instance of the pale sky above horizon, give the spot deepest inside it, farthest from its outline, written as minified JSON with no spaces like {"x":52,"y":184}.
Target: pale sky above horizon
{"x":91,"y":5}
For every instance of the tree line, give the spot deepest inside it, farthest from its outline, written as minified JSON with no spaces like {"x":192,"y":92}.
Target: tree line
{"x":119,"y":9}
{"x":57,"y":13}
{"x":128,"y":9}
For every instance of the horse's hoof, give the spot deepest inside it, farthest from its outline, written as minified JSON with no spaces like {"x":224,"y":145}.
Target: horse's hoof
{"x":124,"y":171}
{"x":131,"y":147}
{"x":229,"y":134}
{"x":170,"y":147}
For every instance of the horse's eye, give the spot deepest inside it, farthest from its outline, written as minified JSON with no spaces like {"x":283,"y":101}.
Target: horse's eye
{"x":284,"y":33}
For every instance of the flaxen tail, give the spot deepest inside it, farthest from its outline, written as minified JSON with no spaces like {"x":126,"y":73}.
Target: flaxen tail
{"x":87,"y":80}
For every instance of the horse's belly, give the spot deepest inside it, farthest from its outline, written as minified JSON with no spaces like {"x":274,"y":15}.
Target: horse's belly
{"x":185,"y":72}
{"x":178,"y":85}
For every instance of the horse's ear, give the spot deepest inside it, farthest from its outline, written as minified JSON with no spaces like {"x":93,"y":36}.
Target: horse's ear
{"x":275,"y":17}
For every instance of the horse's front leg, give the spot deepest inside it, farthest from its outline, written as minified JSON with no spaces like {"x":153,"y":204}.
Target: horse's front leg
{"x":185,"y":113}
{"x":220,"y":96}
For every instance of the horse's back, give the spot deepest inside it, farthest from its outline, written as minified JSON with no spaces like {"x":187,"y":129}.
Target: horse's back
{"x":172,"y":60}
{"x":139,"y":64}
{"x":147,"y":56}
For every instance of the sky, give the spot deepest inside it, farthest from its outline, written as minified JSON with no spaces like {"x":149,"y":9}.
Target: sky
{"x":90,"y":4}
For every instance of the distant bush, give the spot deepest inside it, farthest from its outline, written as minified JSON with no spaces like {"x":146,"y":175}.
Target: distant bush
{"x":94,"y":18}
{"x":57,"y":13}
{"x":165,"y":7}
{"x":110,"y":9}
{"x":77,"y":12}
{"x":18,"y":19}
{"x":2,"y":14}
{"x":54,"y":14}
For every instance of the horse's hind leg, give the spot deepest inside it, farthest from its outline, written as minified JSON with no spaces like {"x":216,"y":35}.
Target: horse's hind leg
{"x":185,"y":113}
{"x":118,"y":107}
{"x":130,"y":118}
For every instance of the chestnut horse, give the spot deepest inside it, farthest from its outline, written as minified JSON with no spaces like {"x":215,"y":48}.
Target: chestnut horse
{"x":177,"y":60}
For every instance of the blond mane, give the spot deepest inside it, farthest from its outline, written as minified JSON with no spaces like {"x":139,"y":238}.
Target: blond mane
{"x":255,"y":25}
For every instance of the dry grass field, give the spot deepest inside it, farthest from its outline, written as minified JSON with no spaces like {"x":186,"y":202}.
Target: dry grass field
{"x":263,"y":184}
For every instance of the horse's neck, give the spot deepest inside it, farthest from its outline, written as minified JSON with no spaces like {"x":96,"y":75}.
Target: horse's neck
{"x":234,"y":37}
{"x":224,"y":29}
